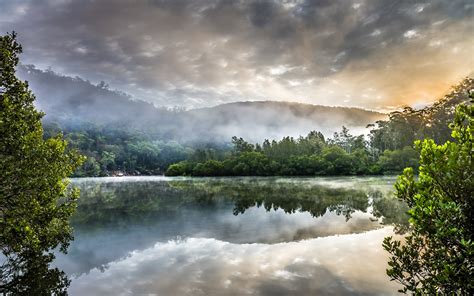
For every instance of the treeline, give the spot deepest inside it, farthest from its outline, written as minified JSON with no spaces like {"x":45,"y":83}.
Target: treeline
{"x":388,"y":149}
{"x":116,"y":151}
{"x":408,"y":125}
{"x":311,"y":155}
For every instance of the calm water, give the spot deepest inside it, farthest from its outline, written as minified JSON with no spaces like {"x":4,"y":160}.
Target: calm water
{"x":232,"y":236}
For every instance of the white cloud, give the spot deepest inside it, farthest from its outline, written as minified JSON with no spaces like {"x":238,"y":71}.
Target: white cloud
{"x":152,"y":48}
{"x":199,"y":266}
{"x":411,"y":34}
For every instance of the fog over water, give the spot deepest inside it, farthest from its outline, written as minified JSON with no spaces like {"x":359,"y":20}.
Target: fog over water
{"x":231,"y":236}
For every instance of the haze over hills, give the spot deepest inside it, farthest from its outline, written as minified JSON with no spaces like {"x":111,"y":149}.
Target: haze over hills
{"x":74,"y":101}
{"x":270,"y":119}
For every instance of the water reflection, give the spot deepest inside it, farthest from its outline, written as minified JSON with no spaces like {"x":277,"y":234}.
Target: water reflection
{"x":347,"y":265}
{"x":121,"y":203}
{"x":31,"y":275}
{"x":153,"y":234}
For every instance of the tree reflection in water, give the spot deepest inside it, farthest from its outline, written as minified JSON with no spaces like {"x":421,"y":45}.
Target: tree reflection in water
{"x":32,"y":275}
{"x":120,"y":204}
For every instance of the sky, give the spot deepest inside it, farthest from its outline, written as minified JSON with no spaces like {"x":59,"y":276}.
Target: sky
{"x":373,"y":54}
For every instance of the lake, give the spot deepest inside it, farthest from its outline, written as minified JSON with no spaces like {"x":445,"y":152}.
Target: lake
{"x":232,"y":236}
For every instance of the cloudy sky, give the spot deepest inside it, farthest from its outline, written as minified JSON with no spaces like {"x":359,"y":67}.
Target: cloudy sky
{"x":375,"y":54}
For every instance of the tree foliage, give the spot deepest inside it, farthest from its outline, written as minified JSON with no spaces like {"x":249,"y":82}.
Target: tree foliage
{"x":388,"y":149}
{"x":438,"y":254}
{"x":404,"y":127}
{"x":35,"y":200}
{"x":305,"y":156}
{"x":113,"y":149}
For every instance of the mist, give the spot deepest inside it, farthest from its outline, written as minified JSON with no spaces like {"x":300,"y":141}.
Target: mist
{"x":73,"y":102}
{"x":185,"y":237}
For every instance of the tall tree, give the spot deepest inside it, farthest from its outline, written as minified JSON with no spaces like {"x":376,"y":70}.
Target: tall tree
{"x":404,"y":127}
{"x":35,"y":199}
{"x":437,"y":256}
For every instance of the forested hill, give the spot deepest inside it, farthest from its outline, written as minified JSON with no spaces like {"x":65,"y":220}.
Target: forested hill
{"x":75,"y":102}
{"x":68,"y":100}
{"x":387,"y":150}
{"x":260,"y":120}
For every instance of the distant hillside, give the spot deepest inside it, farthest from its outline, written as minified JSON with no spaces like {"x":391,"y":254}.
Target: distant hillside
{"x":68,"y":99}
{"x":270,"y":119}
{"x":74,"y":101}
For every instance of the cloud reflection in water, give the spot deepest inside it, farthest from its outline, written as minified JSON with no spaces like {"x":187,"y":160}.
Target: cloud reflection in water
{"x":349,"y":264}
{"x":220,"y":236}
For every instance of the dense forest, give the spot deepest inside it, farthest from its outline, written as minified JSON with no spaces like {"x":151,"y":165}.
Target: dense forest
{"x":112,"y":151}
{"x":311,"y":155}
{"x":387,"y":149}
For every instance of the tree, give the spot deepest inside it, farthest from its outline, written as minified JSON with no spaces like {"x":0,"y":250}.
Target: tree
{"x":35,"y":200}
{"x":337,"y":160}
{"x":240,"y":145}
{"x":404,"y":127}
{"x":344,"y":139}
{"x":395,"y":161}
{"x":181,"y":168}
{"x":438,"y":253}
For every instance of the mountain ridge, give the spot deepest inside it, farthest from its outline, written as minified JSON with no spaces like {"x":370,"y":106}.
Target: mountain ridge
{"x":287,"y":103}
{"x":73,"y":100}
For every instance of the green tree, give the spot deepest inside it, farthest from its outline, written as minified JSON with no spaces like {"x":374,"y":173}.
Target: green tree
{"x":337,"y":160}
{"x":394,"y":161}
{"x":35,"y":200}
{"x":438,"y":253}
{"x":240,"y":145}
{"x":208,"y":168}
{"x":344,"y":139}
{"x":403,"y":127}
{"x":181,"y":168}
{"x":107,"y":160}
{"x":90,"y":168}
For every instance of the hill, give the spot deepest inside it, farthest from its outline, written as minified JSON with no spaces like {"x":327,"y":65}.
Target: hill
{"x":256,"y":121}
{"x":73,"y":101}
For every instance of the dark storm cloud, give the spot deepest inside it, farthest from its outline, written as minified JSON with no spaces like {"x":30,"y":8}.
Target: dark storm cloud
{"x":198,"y":53}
